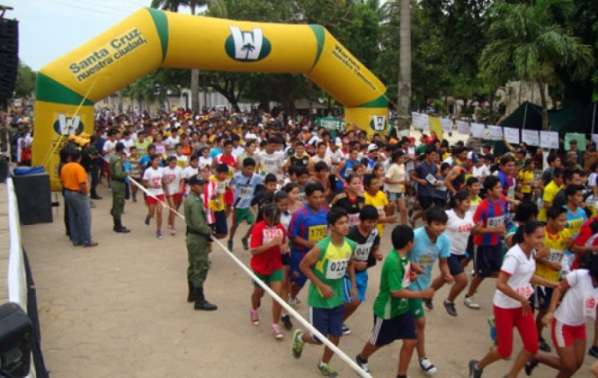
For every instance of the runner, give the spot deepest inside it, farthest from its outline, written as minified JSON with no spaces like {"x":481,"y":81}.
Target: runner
{"x":175,"y":187}
{"x":377,"y":198}
{"x":511,"y":302}
{"x":244,"y":184}
{"x":214,"y":201}
{"x":326,"y":265}
{"x":153,"y":181}
{"x":268,"y":241}
{"x":308,"y":226}
{"x":393,"y":319}
{"x":458,"y":229}
{"x":351,"y":199}
{"x":396,"y":180}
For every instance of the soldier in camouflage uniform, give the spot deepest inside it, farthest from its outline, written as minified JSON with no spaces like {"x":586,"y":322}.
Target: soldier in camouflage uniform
{"x":199,"y":237}
{"x":119,"y":187}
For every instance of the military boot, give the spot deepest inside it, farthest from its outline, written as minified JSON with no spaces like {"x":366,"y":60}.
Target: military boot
{"x":201,"y":303}
{"x":118,"y":227}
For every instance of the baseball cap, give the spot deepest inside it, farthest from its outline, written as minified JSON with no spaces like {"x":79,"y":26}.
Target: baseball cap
{"x":196,"y":180}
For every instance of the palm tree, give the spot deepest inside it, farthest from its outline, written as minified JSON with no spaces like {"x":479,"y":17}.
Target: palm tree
{"x":527,"y":43}
{"x":173,"y":5}
{"x":404,"y":85}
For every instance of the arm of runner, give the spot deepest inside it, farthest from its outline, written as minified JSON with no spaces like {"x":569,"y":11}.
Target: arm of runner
{"x":537,"y":280}
{"x":351,"y":270}
{"x":410,"y":294}
{"x":557,"y":294}
{"x":452,"y":175}
{"x":309,"y":260}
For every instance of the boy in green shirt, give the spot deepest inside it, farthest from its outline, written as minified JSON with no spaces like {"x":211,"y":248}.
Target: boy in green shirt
{"x":392,"y":318}
{"x":325,"y":265}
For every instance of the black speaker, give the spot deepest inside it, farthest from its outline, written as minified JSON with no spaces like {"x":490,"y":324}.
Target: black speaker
{"x":34,"y":197}
{"x":15,"y":341}
{"x":9,"y":56}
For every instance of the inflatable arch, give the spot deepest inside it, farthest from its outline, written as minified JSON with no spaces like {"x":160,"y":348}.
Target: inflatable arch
{"x":67,"y":88}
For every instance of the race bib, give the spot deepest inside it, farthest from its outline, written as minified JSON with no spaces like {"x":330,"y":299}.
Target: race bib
{"x":407,"y":276}
{"x":525,"y":292}
{"x":246,"y":192}
{"x":431,"y":179}
{"x":589,"y":307}
{"x":555,"y":255}
{"x":156,"y":182}
{"x":271,"y":233}
{"x":426,"y":262}
{"x":362,"y":251}
{"x":221,"y":187}
{"x":496,"y":221}
{"x":316,"y":233}
{"x":336,"y":269}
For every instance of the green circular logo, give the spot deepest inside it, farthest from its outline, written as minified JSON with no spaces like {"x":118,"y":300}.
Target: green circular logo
{"x":247,"y":46}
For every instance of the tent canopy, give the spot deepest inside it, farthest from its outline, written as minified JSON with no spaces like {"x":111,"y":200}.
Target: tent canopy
{"x":573,"y":118}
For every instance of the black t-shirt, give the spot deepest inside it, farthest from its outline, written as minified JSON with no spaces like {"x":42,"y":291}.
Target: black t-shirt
{"x":365,"y":245}
{"x":351,"y":207}
{"x":299,"y":161}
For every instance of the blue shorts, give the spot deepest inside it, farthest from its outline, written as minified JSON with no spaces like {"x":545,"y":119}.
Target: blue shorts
{"x":219,"y":226}
{"x":361,"y":280}
{"x":329,"y":321}
{"x":297,"y":277}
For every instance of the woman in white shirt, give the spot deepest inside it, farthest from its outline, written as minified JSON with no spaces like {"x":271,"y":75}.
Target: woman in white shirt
{"x":153,"y":181}
{"x":396,"y":181}
{"x":458,"y":228}
{"x":175,"y":186}
{"x":568,"y":321}
{"x":511,"y":301}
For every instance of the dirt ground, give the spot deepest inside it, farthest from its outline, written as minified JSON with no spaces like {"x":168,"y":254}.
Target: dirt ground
{"x":119,"y":310}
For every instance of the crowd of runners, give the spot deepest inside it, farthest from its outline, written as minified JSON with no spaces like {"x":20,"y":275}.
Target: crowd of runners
{"x":318,"y":202}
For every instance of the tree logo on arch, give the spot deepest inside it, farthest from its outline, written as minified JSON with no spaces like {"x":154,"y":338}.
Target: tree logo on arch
{"x":68,"y":125}
{"x":378,"y":123}
{"x":247,"y":46}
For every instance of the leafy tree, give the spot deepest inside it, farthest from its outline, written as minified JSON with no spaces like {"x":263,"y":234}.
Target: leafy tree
{"x":25,"y":81}
{"x":528,"y":43}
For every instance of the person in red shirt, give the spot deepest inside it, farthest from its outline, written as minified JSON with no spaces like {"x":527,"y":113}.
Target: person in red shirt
{"x":268,"y":241}
{"x":227,"y":156}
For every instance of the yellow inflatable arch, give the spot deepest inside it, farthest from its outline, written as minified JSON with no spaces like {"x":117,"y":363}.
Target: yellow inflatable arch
{"x":67,"y":88}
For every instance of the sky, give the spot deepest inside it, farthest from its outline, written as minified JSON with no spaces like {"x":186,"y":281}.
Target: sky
{"x":49,"y":29}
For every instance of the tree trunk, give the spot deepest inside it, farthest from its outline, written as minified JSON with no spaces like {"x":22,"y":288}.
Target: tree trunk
{"x":194,"y":79}
{"x":404,"y":95}
{"x":544,"y":105}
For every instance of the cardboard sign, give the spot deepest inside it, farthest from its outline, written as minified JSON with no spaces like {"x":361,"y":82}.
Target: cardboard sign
{"x":463,"y":127}
{"x":447,"y":125}
{"x":494,"y":132}
{"x":477,"y":130}
{"x":549,"y":139}
{"x":580,"y":138}
{"x":511,"y":135}
{"x":530,"y":137}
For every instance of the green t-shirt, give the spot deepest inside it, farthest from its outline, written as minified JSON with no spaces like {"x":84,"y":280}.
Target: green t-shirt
{"x":142,"y":146}
{"x":394,"y":277}
{"x":330,"y":269}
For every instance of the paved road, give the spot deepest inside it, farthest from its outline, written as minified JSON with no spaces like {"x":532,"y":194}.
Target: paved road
{"x":119,"y":310}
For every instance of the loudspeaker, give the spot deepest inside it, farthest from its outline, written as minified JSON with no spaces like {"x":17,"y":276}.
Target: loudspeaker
{"x":9,"y":56}
{"x":34,"y":197}
{"x":16,"y":338}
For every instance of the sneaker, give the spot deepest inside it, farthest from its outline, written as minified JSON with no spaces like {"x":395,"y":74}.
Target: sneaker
{"x":429,"y":304}
{"x":90,"y":244}
{"x":294,"y":301}
{"x":245,"y":242}
{"x":277,"y":332}
{"x":428,"y":367}
{"x":362,"y":363}
{"x":172,"y":231}
{"x":254,"y":317}
{"x":346,"y":330}
{"x":229,"y":245}
{"x":530,"y":365}
{"x":593,"y":351}
{"x":159,"y":234}
{"x":326,"y":370}
{"x":286,"y":322}
{"x":544,"y":346}
{"x":298,"y":343}
{"x":468,"y":301}
{"x":474,"y":369}
{"x":450,"y":308}
{"x":147,"y":220}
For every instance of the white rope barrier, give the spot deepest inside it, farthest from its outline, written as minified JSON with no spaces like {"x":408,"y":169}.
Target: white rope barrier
{"x":290,"y":310}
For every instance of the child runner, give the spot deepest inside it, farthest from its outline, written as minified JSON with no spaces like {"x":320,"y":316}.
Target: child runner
{"x":366,"y":238}
{"x":396,"y":180}
{"x":244,"y":184}
{"x":568,"y":321}
{"x":393,"y":319}
{"x":281,"y":199}
{"x":351,"y":199}
{"x":490,"y":221}
{"x":458,"y":229}
{"x":511,"y":302}
{"x":190,"y":171}
{"x":430,"y":244}
{"x":377,"y":198}
{"x":133,"y":161}
{"x":308,"y":226}
{"x":268,"y":241}
{"x":175,"y":186}
{"x":153,"y":181}
{"x":326,"y":265}
{"x":214,"y":201}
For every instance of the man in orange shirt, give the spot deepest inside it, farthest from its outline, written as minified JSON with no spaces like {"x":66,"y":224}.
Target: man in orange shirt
{"x":74,"y":182}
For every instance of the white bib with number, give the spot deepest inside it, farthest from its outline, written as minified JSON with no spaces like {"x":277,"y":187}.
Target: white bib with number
{"x":336,"y":269}
{"x":589,"y":307}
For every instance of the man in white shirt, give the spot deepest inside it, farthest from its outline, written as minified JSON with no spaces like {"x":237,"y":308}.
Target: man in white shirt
{"x":271,"y":160}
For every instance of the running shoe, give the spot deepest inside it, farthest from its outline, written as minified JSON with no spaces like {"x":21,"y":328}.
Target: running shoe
{"x":294,"y":301}
{"x":544,"y":346}
{"x":229,"y":245}
{"x":474,"y":369}
{"x":346,"y":330}
{"x":469,"y":303}
{"x":450,"y":308}
{"x":593,"y":351}
{"x":172,"y":231}
{"x":427,"y":366}
{"x":286,"y":322}
{"x":147,"y":220}
{"x":362,"y":363}
{"x":298,"y":343}
{"x":326,"y":370}
{"x":245,"y":242}
{"x":277,"y":332}
{"x":159,"y":234}
{"x":254,"y":317}
{"x":530,"y":365}
{"x":429,"y":304}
